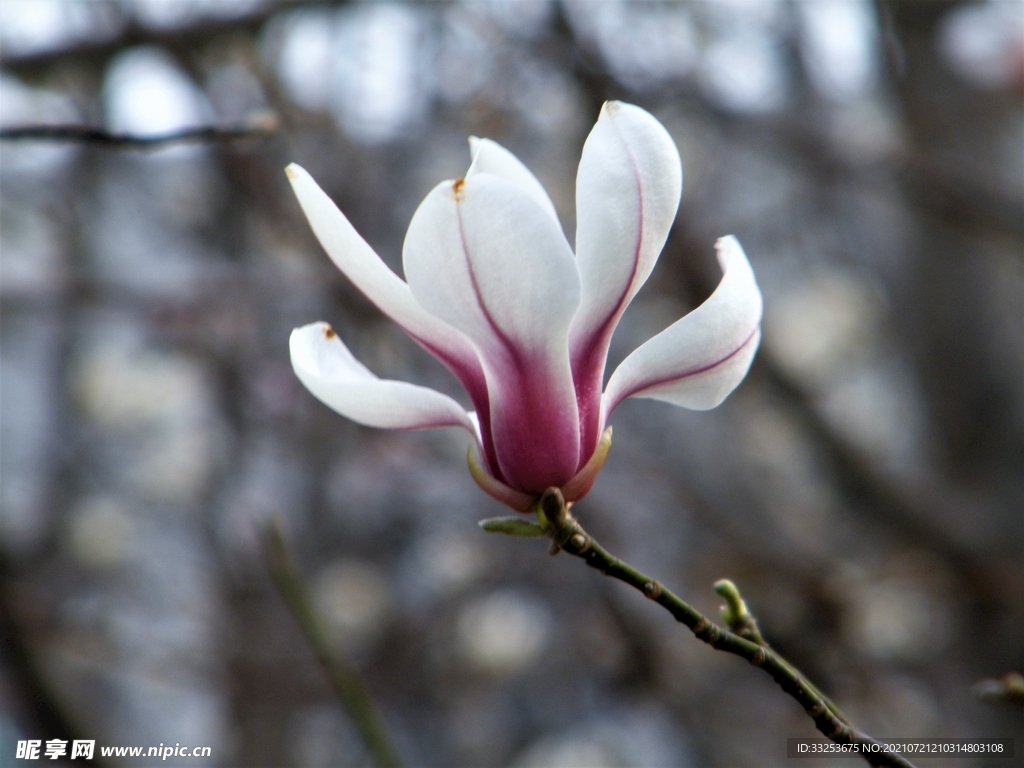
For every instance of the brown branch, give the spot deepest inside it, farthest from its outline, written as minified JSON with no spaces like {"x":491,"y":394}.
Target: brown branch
{"x":260,"y":126}
{"x":567,"y":534}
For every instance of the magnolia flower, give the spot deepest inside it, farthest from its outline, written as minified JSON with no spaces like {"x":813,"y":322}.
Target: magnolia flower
{"x":494,"y":292}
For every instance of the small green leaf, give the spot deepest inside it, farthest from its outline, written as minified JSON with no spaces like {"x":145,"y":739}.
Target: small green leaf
{"x":512,"y":526}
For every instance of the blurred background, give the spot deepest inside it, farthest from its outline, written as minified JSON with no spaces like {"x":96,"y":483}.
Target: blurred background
{"x":864,"y":486}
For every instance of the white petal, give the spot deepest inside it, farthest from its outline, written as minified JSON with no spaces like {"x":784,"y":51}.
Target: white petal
{"x":490,"y":157}
{"x":328,"y":370}
{"x":700,"y":359}
{"x":484,"y":256}
{"x":357,"y":260}
{"x":627,"y":194}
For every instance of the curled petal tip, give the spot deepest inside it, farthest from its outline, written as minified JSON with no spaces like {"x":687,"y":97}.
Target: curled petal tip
{"x":519,"y":501}
{"x":290,"y":171}
{"x":727,"y":248}
{"x":580,"y":484}
{"x":698,"y":360}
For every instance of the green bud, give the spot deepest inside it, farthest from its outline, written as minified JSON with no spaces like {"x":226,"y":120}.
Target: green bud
{"x":735,"y":613}
{"x":735,"y":609}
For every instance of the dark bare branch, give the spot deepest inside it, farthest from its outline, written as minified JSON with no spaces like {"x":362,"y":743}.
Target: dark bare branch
{"x":261,"y":126}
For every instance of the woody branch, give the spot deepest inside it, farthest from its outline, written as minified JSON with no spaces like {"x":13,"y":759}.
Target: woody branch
{"x":567,"y":534}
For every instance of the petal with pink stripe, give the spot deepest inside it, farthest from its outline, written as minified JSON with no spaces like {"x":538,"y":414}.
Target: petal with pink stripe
{"x":698,"y":360}
{"x":358,"y":261}
{"x":627,"y":194}
{"x":329,"y":370}
{"x":484,"y":256}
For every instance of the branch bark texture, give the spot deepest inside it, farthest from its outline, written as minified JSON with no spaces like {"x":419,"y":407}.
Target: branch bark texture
{"x":567,"y":534}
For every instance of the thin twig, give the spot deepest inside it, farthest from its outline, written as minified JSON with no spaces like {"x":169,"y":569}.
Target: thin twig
{"x":740,"y":621}
{"x":353,"y":692}
{"x":567,"y":534}
{"x":260,"y":126}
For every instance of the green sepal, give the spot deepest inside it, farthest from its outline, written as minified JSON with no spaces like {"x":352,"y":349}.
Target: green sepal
{"x":512,"y":526}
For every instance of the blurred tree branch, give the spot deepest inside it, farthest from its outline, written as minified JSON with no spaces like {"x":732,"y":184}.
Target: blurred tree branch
{"x":186,"y":38}
{"x":940,"y":191}
{"x":259,"y":126}
{"x":351,"y":689}
{"x":906,"y":512}
{"x":42,"y":714}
